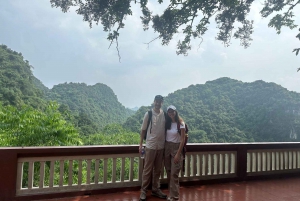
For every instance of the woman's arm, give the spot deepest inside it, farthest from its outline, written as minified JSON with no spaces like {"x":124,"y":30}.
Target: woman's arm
{"x":182,"y":136}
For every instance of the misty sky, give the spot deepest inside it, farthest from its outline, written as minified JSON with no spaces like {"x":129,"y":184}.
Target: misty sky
{"x":62,"y":48}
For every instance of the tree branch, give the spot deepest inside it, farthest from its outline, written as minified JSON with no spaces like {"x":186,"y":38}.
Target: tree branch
{"x":152,"y":41}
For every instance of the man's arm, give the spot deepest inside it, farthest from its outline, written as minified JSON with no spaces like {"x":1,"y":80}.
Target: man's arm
{"x":143,"y":130}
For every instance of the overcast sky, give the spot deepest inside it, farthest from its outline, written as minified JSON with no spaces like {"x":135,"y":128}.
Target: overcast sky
{"x":62,"y":48}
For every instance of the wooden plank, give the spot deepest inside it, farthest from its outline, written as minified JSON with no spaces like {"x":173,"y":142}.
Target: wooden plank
{"x":51,"y":177}
{"x":194,"y":163}
{"x":42,"y":174}
{"x":212,"y":167}
{"x":188,"y":165}
{"x":192,"y":166}
{"x":79,"y":172}
{"x":88,"y":171}
{"x":30,"y":174}
{"x":293,"y":159}
{"x":123,"y":168}
{"x":271,"y":161}
{"x":61,"y":173}
{"x":284,"y":161}
{"x":19,"y":176}
{"x":198,"y":165}
{"x":256,"y":161}
{"x":261,"y":161}
{"x":203,"y":164}
{"x":105,"y":171}
{"x":251,"y":162}
{"x":218,"y":163}
{"x":114,"y":173}
{"x":96,"y":181}
{"x":287,"y":160}
{"x":264,"y":158}
{"x":297,"y":159}
{"x":70,"y":173}
{"x":224,"y":163}
{"x":131,"y":169}
{"x":280,"y":161}
{"x":229,"y":163}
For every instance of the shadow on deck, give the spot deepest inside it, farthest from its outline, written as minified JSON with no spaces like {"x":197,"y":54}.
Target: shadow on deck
{"x":287,"y":189}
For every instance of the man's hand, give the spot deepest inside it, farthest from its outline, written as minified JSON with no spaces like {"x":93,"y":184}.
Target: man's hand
{"x":140,"y":148}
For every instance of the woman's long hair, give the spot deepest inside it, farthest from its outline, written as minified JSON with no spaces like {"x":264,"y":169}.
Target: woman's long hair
{"x":169,"y":120}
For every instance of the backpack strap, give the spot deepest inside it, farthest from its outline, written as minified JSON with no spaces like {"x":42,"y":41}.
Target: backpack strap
{"x":149,"y":119}
{"x":148,"y":123}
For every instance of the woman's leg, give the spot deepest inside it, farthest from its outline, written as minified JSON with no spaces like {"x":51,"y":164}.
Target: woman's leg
{"x":174,"y":174}
{"x":167,"y":161}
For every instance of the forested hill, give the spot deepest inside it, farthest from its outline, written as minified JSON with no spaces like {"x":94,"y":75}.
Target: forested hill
{"x":17,"y":81}
{"x":227,"y":110}
{"x":90,"y":107}
{"x":97,"y":102}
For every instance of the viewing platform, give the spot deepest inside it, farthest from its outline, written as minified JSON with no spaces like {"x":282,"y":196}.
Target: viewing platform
{"x":214,"y":171}
{"x":287,"y":189}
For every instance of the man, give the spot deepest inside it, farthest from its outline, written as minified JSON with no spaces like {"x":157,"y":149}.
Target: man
{"x":155,"y":143}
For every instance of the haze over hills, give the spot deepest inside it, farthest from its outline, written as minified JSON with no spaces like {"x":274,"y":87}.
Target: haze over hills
{"x":223,"y":110}
{"x":227,"y":110}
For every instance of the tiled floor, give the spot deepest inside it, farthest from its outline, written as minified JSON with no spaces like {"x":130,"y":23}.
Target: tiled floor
{"x":264,"y":190}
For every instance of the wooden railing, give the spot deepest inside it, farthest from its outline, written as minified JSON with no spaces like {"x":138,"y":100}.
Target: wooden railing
{"x":48,"y":172}
{"x":270,"y":161}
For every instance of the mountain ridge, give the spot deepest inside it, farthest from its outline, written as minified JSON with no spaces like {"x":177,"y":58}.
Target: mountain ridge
{"x":228,"y":110}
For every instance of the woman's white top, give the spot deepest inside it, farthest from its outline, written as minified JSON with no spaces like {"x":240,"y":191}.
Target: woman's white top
{"x":172,"y":133}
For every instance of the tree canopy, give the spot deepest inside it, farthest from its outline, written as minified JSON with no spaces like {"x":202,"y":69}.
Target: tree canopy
{"x":93,"y":106}
{"x":189,"y":17}
{"x":227,"y":110}
{"x":17,"y":83}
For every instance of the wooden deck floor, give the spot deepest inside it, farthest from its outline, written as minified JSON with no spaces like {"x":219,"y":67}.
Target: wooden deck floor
{"x":264,"y":190}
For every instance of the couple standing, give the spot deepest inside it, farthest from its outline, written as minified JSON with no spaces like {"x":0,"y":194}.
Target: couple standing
{"x":163,"y":143}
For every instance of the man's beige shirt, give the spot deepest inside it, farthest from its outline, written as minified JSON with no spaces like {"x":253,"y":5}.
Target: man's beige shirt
{"x":155,"y":139}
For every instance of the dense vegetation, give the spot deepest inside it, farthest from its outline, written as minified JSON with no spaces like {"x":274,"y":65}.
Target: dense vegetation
{"x":227,"y":110}
{"x":223,"y":110}
{"x":30,"y":118}
{"x":97,"y":104}
{"x":27,"y":126}
{"x":16,"y":80}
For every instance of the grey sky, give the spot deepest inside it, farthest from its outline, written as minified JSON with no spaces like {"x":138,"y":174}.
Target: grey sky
{"x":62,"y":48}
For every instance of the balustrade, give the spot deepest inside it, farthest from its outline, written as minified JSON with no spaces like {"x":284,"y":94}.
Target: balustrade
{"x":32,"y":173}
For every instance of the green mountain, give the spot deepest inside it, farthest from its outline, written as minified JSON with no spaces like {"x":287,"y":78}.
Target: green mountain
{"x":17,"y":85}
{"x":227,"y":110}
{"x":97,"y":102}
{"x":89,"y":108}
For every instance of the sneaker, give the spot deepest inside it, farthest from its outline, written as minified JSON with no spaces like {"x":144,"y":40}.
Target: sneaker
{"x":143,"y":196}
{"x":159,"y":194}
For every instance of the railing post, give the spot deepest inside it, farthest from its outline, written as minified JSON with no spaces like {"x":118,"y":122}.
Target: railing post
{"x":8,"y":174}
{"x":242,"y":162}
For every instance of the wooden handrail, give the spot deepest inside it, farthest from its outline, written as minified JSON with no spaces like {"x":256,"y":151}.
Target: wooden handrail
{"x":284,"y":159}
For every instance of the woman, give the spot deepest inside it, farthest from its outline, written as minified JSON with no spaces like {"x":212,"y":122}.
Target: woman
{"x":173,"y":149}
